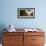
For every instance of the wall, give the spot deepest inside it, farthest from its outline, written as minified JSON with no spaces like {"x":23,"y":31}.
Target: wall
{"x":8,"y":13}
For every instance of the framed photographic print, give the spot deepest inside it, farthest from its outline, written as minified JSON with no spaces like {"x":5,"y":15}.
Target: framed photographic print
{"x":26,"y":12}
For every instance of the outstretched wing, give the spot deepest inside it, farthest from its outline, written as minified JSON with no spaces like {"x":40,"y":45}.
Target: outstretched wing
{"x":28,"y":12}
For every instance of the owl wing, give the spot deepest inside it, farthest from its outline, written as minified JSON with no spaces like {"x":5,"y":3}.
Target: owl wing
{"x":29,"y":12}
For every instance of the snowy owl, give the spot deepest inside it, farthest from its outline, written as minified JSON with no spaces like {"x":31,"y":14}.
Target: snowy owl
{"x":29,"y":12}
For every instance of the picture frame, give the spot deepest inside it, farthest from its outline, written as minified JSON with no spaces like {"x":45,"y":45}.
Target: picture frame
{"x":26,"y":13}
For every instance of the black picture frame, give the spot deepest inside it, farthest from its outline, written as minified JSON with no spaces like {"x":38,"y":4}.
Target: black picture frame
{"x":26,"y":13}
